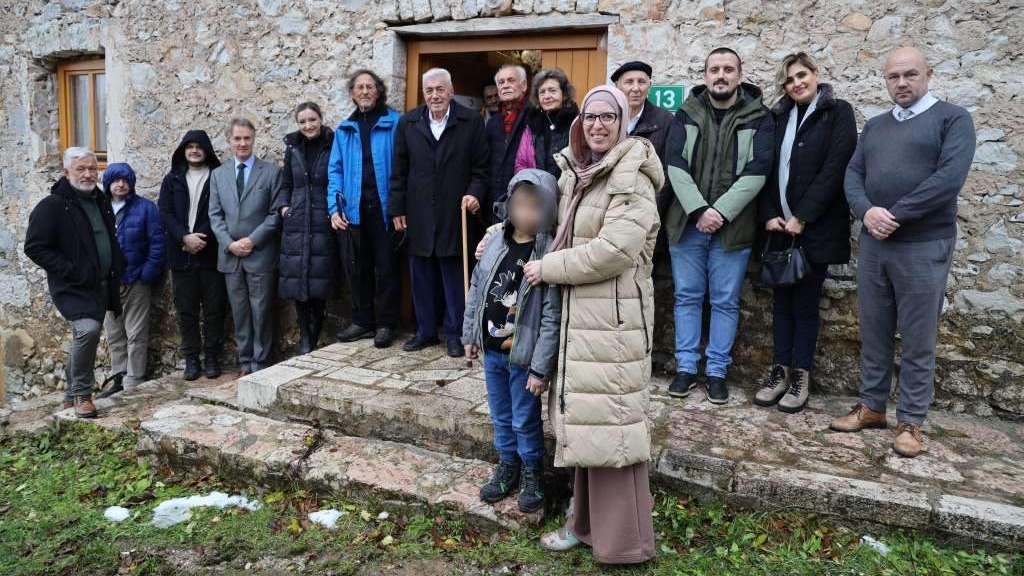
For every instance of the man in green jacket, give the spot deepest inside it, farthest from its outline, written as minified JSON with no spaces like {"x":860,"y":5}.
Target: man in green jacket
{"x":720,"y":152}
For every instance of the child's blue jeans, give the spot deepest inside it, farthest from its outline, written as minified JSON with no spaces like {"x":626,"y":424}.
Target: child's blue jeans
{"x":515,"y":412}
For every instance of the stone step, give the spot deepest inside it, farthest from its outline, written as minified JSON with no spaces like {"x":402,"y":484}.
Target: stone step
{"x":209,"y":439}
{"x":968,"y":483}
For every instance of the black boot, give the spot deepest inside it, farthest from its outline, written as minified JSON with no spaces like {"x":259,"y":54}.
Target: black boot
{"x":504,"y":481}
{"x":116,"y":386}
{"x":531,"y":490}
{"x":318,"y":309}
{"x":212,"y":366}
{"x":302,"y":314}
{"x":191,"y":369}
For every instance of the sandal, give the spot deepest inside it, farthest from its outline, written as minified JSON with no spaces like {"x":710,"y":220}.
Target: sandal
{"x":559,"y":541}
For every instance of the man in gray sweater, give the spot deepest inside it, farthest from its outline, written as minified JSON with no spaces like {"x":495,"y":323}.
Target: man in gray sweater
{"x":903,"y":183}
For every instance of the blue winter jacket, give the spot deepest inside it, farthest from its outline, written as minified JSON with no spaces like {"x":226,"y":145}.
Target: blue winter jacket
{"x":345,"y":170}
{"x":139,"y":231}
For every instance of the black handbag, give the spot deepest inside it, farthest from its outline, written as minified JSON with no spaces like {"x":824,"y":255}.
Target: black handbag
{"x":785,"y":267}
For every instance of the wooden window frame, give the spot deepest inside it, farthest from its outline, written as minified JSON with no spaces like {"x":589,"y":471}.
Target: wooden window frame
{"x":90,"y":67}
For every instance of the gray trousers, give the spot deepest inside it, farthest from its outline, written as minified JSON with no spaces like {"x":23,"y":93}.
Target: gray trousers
{"x":900,"y":287}
{"x":85,"y":338}
{"x":251,"y":295}
{"x":128,"y":334}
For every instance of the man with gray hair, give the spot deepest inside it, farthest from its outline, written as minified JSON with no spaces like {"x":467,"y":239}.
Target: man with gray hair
{"x":504,"y":131}
{"x":903,"y":183}
{"x":71,"y":236}
{"x":243,"y":191}
{"x":439,"y":166}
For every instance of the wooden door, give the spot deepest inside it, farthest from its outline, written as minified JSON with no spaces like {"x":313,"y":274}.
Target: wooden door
{"x":582,"y":56}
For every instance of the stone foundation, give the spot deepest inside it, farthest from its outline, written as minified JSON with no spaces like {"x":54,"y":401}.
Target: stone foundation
{"x":173,"y":66}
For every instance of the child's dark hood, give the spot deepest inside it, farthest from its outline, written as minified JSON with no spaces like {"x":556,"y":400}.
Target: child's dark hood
{"x":547,"y":187}
{"x":119,"y":171}
{"x":178,"y":161}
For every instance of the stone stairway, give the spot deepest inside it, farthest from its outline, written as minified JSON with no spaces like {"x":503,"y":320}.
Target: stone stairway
{"x":414,"y":427}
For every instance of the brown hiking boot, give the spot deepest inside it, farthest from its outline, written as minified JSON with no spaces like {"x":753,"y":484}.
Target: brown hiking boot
{"x":908,"y":440}
{"x":68,"y":405}
{"x":773,"y":386}
{"x":84,"y":408}
{"x":859,"y":418}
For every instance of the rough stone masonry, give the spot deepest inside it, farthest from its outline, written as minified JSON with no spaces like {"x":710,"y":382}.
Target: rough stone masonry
{"x":175,"y":65}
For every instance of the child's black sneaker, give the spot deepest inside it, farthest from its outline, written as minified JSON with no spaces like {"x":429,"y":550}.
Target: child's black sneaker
{"x":531,"y":490}
{"x":504,"y":481}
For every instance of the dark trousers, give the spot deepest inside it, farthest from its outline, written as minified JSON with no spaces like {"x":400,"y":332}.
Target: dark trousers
{"x":437,"y":289}
{"x":900,"y":287}
{"x":200,"y":292}
{"x":376,"y":278}
{"x":796,"y":320}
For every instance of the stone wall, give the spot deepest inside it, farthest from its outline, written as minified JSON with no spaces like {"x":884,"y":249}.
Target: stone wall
{"x":176,"y":65}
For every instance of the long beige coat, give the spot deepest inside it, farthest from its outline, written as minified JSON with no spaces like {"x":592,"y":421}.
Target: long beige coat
{"x":599,"y":399}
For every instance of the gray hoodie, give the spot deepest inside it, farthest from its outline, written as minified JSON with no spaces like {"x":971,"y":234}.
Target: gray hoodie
{"x":538,"y":316}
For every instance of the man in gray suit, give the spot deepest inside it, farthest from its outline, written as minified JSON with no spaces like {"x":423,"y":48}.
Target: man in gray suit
{"x":242,"y":194}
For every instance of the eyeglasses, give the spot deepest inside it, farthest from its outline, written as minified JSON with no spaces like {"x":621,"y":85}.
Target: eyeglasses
{"x":606,"y":118}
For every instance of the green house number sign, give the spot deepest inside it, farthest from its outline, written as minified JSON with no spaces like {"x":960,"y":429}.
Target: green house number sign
{"x":669,"y":97}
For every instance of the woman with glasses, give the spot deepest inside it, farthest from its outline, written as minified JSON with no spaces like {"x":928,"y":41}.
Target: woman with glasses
{"x":803,"y":201}
{"x":601,"y":257}
{"x":357,"y":200}
{"x":551,"y":112}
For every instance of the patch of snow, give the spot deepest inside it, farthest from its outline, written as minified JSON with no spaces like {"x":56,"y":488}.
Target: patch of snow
{"x":116,"y":514}
{"x":326,"y":518}
{"x":175,"y":510}
{"x":878,"y":546}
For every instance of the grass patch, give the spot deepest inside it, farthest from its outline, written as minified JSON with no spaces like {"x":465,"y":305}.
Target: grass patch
{"x":54,"y":488}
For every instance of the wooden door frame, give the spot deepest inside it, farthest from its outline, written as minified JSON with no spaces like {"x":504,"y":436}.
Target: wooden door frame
{"x":590,"y":40}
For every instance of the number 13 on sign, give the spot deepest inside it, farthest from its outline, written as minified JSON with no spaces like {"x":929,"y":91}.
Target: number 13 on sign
{"x":669,"y":97}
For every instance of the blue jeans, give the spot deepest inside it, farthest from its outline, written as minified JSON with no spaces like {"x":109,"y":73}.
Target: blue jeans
{"x":698,"y":261}
{"x":515,"y":412}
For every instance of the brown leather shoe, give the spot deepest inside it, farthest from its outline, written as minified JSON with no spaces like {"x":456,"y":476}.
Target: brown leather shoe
{"x":908,"y":440}
{"x":84,"y":408}
{"x":859,"y":418}
{"x":68,"y":405}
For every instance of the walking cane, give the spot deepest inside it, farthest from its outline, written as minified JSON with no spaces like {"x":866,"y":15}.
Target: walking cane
{"x":465,"y":265}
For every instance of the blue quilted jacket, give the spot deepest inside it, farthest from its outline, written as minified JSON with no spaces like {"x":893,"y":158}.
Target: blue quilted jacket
{"x":139,"y":231}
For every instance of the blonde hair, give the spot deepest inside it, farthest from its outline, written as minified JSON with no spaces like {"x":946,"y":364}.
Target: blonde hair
{"x":782,"y":73}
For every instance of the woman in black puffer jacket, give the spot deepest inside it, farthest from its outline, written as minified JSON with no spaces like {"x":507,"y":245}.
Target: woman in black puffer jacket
{"x":308,"y":269}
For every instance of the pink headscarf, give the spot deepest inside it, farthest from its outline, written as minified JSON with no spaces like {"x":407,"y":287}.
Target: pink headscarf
{"x":585,"y":159}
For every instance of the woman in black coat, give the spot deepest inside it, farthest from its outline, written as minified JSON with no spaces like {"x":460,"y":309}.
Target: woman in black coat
{"x":308,"y":269}
{"x":804,"y":202}
{"x":549,"y":116}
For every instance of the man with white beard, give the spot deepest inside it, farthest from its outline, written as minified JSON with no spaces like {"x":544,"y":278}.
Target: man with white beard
{"x":71,"y":236}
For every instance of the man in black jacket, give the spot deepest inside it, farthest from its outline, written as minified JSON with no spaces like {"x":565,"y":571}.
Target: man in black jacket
{"x":71,"y":236}
{"x":650,"y":121}
{"x":504,"y":130}
{"x":192,"y":252}
{"x":440,"y":165}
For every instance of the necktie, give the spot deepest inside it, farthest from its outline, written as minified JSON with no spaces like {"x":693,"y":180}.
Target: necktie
{"x":240,"y":179}
{"x":904,"y":113}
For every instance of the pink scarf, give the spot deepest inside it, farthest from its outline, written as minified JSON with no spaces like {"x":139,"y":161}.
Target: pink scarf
{"x":586,"y":162}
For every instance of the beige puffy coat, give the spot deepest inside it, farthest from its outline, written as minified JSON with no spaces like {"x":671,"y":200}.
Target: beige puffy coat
{"x":599,"y":400}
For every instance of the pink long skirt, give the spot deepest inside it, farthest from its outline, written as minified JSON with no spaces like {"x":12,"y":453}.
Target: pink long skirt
{"x":612,"y":513}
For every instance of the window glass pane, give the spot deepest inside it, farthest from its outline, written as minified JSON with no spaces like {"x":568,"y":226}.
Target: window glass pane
{"x":78,"y":88}
{"x":101,"y":111}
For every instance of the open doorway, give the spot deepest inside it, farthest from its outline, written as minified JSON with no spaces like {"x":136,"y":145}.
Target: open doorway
{"x":474,"y":60}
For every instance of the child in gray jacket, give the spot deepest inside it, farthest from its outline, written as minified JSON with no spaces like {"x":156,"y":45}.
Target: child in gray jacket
{"x":515,"y":326}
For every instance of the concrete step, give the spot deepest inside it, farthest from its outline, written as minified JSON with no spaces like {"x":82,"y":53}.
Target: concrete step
{"x":208,"y":439}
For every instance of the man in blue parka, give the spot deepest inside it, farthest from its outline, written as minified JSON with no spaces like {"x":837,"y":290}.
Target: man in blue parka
{"x":357,"y":200}
{"x":141,"y":237}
